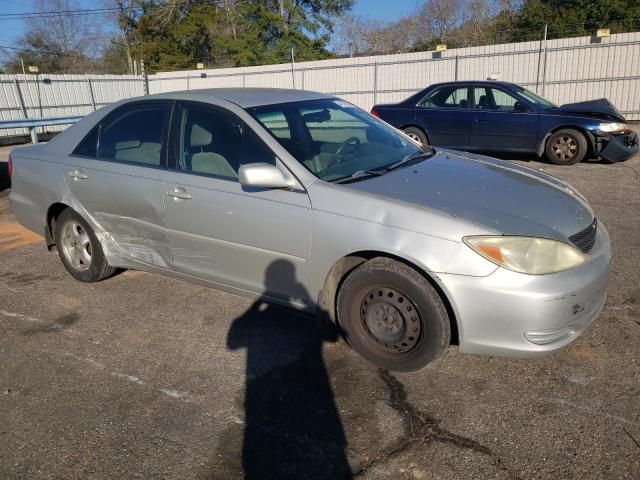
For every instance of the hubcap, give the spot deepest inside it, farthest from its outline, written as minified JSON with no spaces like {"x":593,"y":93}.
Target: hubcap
{"x":564,"y":147}
{"x":390,"y":319}
{"x":76,"y":246}
{"x":414,"y":137}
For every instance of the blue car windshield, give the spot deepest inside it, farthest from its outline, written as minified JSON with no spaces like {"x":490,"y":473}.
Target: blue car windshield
{"x":334,"y":139}
{"x":540,"y":102}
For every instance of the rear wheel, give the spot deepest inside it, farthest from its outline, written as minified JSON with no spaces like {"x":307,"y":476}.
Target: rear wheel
{"x":416,"y":134}
{"x":566,"y":147}
{"x":79,"y":249}
{"x":392,"y":316}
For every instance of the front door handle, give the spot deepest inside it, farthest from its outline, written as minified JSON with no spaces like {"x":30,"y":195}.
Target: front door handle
{"x":77,"y":174}
{"x":480,"y":120}
{"x":179,"y":193}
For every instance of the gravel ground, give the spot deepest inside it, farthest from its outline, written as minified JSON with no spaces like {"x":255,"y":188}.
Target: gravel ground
{"x":141,"y":376}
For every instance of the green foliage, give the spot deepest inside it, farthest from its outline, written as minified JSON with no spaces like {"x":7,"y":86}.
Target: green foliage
{"x":229,"y":34}
{"x":570,"y":18}
{"x":114,"y":59}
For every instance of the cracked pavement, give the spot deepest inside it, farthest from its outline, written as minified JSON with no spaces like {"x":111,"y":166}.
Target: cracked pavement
{"x":142,"y":376}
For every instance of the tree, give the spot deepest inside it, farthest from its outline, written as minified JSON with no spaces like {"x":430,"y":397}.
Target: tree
{"x":59,"y":44}
{"x":173,"y":34}
{"x":569,"y":18}
{"x":115,"y":59}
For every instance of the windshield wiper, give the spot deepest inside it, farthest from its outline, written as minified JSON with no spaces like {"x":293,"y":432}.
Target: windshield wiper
{"x":409,"y":158}
{"x":360,"y":174}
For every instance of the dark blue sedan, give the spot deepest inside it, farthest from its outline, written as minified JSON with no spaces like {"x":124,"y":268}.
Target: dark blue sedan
{"x":494,"y":116}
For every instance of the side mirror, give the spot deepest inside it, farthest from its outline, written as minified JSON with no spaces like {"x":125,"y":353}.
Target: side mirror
{"x":263,"y":175}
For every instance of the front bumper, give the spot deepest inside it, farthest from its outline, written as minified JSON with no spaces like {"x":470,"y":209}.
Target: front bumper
{"x":516,"y":315}
{"x":619,"y":147}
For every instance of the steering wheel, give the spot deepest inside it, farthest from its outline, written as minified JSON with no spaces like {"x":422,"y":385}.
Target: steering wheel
{"x":336,"y":156}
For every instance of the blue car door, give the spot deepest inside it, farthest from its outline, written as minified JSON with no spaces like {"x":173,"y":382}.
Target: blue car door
{"x":445,"y":115}
{"x":502,"y":122}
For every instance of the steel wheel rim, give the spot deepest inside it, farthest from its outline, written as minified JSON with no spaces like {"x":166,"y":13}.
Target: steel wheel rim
{"x":76,"y":246}
{"x":414,"y":137}
{"x":565,"y":147}
{"x":390,"y":320}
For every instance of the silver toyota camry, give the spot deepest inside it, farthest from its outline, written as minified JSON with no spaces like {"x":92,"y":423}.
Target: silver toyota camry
{"x":303,"y":199}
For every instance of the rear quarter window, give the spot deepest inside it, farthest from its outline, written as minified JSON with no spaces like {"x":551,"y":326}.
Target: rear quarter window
{"x":88,"y":147}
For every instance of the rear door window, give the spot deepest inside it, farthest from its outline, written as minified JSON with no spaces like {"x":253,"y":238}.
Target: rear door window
{"x":134,"y":135}
{"x":447,"y":97}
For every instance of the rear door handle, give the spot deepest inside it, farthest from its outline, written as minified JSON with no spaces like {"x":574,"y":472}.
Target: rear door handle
{"x":480,"y":120}
{"x":179,"y":193}
{"x":78,"y":174}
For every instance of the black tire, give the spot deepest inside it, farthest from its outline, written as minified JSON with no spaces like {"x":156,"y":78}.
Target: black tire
{"x":92,"y":265}
{"x":417,"y":134}
{"x":392,"y":316}
{"x":566,"y":147}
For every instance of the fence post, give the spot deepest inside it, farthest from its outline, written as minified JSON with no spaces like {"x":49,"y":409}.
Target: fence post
{"x":375,"y":82}
{"x":93,"y":99}
{"x":542,"y":60}
{"x":544,"y":63}
{"x":302,"y":79}
{"x":145,"y":78}
{"x":32,"y":131}
{"x":293,"y":71}
{"x":21,"y":99}
{"x":244,"y":79}
{"x":456,"y":69}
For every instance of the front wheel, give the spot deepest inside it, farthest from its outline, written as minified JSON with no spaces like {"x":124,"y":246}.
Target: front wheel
{"x":566,"y":147}
{"x":392,"y":316}
{"x":79,"y":249}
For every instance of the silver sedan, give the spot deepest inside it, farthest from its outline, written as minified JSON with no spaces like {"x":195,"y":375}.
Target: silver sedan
{"x":302,"y":199}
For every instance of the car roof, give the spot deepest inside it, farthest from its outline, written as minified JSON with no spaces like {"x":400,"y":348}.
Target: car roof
{"x":475,"y":82}
{"x":244,"y":97}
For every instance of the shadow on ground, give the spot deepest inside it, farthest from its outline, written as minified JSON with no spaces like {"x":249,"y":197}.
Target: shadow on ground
{"x":5,"y":181}
{"x":292,"y":428}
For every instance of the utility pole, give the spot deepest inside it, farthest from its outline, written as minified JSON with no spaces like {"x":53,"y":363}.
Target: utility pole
{"x":22,"y":62}
{"x":293,"y":72}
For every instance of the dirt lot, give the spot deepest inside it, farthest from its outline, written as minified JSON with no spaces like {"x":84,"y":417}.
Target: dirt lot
{"x":141,"y":376}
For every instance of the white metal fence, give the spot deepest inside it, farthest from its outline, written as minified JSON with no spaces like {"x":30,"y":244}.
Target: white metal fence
{"x":37,"y":96}
{"x":564,"y":70}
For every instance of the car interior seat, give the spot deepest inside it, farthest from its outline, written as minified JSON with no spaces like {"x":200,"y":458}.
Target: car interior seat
{"x":483,"y":102}
{"x":211,"y":154}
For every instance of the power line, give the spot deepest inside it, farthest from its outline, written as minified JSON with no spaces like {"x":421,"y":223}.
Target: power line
{"x":58,"y":13}
{"x":47,"y":52}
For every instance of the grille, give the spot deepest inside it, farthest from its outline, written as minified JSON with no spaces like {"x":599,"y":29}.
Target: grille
{"x":585,"y":239}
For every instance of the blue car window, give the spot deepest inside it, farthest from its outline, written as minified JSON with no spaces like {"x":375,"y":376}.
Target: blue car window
{"x":447,"y":97}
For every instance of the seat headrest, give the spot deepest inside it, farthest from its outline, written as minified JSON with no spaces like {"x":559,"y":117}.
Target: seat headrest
{"x":200,"y":136}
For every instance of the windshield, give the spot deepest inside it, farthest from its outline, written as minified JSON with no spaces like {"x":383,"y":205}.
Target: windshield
{"x":543,"y":103}
{"x":334,"y":139}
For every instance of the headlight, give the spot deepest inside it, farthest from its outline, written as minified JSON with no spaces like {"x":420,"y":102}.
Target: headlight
{"x":534,"y":256}
{"x":612,"y":127}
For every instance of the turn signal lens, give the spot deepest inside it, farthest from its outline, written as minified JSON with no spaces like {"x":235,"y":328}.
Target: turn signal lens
{"x":530,"y":255}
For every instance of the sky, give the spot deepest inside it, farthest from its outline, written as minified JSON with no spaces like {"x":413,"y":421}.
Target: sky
{"x":384,"y":9}
{"x":10,"y":30}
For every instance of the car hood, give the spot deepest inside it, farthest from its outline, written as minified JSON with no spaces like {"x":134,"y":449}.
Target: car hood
{"x":601,"y":108}
{"x":500,"y":195}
